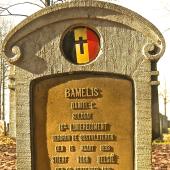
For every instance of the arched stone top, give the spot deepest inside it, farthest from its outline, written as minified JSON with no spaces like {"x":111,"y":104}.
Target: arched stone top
{"x":95,"y":10}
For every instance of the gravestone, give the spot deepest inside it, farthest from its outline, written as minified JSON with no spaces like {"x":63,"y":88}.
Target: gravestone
{"x":83,"y":87}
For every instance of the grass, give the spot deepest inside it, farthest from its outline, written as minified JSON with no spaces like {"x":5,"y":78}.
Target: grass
{"x":164,"y":140}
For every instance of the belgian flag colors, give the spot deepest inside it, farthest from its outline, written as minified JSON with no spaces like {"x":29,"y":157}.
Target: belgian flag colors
{"x":81,"y":45}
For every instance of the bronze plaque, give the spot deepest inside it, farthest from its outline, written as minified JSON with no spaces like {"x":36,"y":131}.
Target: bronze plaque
{"x":83,"y":122}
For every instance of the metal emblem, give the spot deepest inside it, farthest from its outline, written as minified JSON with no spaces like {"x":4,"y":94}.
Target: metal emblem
{"x":81,"y":45}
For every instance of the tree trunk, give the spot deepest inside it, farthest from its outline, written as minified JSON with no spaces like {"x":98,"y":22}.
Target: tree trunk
{"x":47,"y":3}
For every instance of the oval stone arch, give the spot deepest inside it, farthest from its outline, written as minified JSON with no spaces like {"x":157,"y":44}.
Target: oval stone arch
{"x":82,"y":118}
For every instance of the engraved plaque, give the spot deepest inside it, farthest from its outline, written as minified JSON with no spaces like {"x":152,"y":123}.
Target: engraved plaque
{"x":83,"y":122}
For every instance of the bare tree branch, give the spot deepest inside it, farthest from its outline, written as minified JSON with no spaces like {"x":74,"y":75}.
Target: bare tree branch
{"x":165,"y":97}
{"x":3,"y":9}
{"x":22,"y":15}
{"x":168,"y":29}
{"x":21,"y":3}
{"x":43,"y":2}
{"x":58,"y":1}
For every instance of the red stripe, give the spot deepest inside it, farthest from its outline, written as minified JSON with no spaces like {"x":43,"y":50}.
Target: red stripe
{"x":93,"y":44}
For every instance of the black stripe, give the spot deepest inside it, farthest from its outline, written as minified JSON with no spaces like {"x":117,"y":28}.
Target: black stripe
{"x":69,"y":47}
{"x":81,"y":42}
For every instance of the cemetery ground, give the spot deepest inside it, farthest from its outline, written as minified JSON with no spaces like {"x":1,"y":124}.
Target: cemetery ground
{"x":7,"y":153}
{"x":160,"y":153}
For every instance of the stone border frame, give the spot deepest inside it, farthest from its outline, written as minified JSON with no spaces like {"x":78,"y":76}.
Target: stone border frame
{"x":152,"y":51}
{"x":91,"y":74}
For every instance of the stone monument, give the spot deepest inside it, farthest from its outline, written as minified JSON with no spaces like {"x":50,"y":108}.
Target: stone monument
{"x":83,"y":87}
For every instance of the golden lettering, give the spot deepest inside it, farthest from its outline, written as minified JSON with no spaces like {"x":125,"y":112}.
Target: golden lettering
{"x":89,"y":92}
{"x":65,"y":138}
{"x":88,"y":148}
{"x":90,"y":127}
{"x":82,"y":116}
{"x":106,"y":148}
{"x":88,"y":168}
{"x":75,"y":137}
{"x":96,"y":92}
{"x":72,"y":148}
{"x":61,"y":168}
{"x":84,"y":160}
{"x":84,"y":168}
{"x":60,"y":148}
{"x":60,"y":160}
{"x":83,"y":105}
{"x":98,"y":137}
{"x":67,"y":93}
{"x":63,"y":127}
{"x":111,"y":159}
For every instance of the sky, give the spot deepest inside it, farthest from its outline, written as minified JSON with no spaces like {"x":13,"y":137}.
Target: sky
{"x":156,"y":11}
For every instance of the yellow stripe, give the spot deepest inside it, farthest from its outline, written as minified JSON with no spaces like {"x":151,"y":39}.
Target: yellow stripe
{"x":81,"y":58}
{"x":80,"y":32}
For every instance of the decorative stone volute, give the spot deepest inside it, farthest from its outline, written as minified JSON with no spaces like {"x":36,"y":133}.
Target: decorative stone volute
{"x":45,"y":53}
{"x":101,"y":11}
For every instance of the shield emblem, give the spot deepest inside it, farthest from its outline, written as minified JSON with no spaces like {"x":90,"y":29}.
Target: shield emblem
{"x":80,"y":45}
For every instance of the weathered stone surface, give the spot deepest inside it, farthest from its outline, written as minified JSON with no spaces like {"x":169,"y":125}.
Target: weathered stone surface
{"x":2,"y":127}
{"x":129,"y":44}
{"x":12,"y":123}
